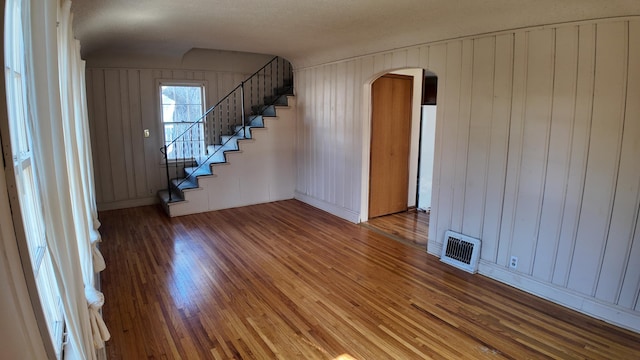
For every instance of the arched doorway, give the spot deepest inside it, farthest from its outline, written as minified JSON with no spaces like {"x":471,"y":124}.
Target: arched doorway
{"x":418,"y":137}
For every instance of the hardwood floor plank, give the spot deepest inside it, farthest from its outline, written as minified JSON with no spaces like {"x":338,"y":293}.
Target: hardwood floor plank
{"x":287,"y":281}
{"x":411,"y":226}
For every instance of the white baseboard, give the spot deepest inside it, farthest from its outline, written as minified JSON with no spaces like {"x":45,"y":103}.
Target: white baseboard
{"x":338,"y":211}
{"x":434,"y":248}
{"x":587,"y":305}
{"x":114,"y":205}
{"x":607,"y":312}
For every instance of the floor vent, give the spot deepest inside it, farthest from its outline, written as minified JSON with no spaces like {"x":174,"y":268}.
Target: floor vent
{"x":461,"y":251}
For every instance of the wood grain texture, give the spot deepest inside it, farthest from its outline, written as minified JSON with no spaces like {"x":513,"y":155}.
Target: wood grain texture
{"x":287,"y":281}
{"x":410,"y":226}
{"x":390,"y":140}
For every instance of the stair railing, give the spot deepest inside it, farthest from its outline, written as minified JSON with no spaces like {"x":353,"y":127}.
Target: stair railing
{"x":229,"y":118}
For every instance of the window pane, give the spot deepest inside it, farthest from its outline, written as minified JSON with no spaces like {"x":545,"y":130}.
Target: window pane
{"x":13,"y":87}
{"x":181,"y":107}
{"x":31,"y":211}
{"x":181,"y":94}
{"x":180,"y":113}
{"x":168,"y":93}
{"x":194,"y":96}
{"x":167,"y":112}
{"x":195,"y":112}
{"x":26,"y":175}
{"x":45,"y":282}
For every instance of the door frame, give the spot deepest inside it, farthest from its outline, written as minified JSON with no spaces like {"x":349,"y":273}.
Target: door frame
{"x":414,"y":151}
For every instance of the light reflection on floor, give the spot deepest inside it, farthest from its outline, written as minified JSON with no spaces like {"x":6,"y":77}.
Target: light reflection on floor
{"x":345,"y":357}
{"x":185,"y":276}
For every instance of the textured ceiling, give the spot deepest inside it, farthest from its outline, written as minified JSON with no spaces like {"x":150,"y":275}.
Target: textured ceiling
{"x":311,"y":31}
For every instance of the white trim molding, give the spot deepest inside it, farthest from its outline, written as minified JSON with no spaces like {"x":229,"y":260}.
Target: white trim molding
{"x":338,"y":211}
{"x":587,"y":305}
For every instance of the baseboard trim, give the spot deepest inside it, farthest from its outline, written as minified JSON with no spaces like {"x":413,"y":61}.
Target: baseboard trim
{"x":338,"y":211}
{"x":434,"y":248}
{"x":115,"y":205}
{"x":606,"y":312}
{"x":610,"y":313}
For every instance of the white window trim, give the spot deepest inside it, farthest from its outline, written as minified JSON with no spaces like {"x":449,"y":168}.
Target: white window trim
{"x":29,"y":232}
{"x":159,"y":121}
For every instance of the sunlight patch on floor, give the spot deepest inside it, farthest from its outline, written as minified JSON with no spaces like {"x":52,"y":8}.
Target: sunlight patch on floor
{"x":345,"y":357}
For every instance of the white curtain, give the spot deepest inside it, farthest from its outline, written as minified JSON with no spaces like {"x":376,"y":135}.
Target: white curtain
{"x":79,"y":163}
{"x":62,"y":155}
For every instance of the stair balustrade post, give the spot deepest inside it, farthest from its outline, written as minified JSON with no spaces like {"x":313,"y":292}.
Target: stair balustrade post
{"x":244,"y":129}
{"x":166,"y":165}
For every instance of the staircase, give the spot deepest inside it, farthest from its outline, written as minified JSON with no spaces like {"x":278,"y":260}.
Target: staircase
{"x":248,"y":152}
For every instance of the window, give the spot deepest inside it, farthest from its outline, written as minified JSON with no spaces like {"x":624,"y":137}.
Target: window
{"x":182,"y":109}
{"x":26,"y":175}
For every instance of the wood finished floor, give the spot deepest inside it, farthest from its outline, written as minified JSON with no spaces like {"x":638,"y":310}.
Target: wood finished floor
{"x":409,"y":226}
{"x":287,"y":281}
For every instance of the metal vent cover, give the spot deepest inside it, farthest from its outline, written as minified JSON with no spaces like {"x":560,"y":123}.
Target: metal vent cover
{"x":461,"y":251}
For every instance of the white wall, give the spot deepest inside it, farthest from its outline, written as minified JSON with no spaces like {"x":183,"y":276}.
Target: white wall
{"x":536,"y":154}
{"x":263,"y":170}
{"x":427,"y":155}
{"x":122,"y":102}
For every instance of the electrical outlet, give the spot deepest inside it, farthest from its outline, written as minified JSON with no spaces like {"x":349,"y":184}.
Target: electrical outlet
{"x":513,"y":263}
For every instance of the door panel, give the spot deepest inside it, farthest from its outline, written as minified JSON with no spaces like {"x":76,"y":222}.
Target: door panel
{"x":390,"y":141}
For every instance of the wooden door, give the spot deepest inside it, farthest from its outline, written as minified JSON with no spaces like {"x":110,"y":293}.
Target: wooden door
{"x":390,"y":144}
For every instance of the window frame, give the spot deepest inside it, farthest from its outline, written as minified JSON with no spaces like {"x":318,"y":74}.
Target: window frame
{"x":24,"y":194}
{"x":160,"y":83}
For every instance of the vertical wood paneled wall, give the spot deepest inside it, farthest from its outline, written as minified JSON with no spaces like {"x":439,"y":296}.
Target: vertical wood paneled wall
{"x":122,"y":102}
{"x":537,"y":153}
